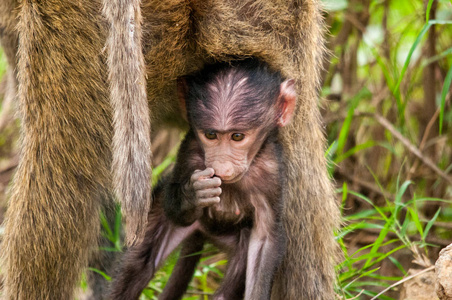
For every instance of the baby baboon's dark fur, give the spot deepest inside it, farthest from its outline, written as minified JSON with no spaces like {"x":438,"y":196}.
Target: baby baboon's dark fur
{"x":63,"y":178}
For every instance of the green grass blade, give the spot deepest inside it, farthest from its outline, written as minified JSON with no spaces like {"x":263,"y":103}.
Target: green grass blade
{"x":415,"y":217}
{"x":400,"y":104}
{"x":354,"y":150}
{"x":440,"y":56}
{"x":343,"y":134}
{"x":429,"y":7}
{"x":430,"y":224}
{"x":381,"y":237}
{"x":424,"y":30}
{"x":399,"y":196}
{"x":108,"y":233}
{"x":106,"y":277}
{"x":398,"y":265}
{"x":446,"y":89}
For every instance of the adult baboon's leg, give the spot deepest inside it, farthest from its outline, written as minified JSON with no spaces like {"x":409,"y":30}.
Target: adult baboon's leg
{"x":63,"y":176}
{"x":311,"y":213}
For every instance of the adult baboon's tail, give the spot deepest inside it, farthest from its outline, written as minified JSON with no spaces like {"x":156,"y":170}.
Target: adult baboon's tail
{"x":131,"y":120}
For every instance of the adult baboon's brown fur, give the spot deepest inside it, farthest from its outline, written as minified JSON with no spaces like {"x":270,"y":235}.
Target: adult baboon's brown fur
{"x":63,"y":177}
{"x":52,"y":222}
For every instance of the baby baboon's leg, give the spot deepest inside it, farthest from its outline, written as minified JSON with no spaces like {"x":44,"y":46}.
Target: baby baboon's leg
{"x":185,"y":267}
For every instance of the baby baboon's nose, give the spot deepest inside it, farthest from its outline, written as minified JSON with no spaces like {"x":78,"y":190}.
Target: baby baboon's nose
{"x":224,"y":170}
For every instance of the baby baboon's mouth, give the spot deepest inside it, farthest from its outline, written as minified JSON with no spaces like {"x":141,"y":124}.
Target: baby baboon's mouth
{"x":232,"y":180}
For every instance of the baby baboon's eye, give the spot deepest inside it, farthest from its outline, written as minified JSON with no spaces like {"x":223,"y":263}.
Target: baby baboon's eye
{"x":211,"y":135}
{"x":238,"y":137}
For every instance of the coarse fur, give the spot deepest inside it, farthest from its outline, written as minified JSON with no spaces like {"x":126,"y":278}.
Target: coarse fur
{"x":52,"y":223}
{"x":239,"y":211}
{"x":132,"y":159}
{"x":63,"y":177}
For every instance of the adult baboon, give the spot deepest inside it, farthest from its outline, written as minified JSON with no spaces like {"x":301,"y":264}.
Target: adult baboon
{"x":63,"y":178}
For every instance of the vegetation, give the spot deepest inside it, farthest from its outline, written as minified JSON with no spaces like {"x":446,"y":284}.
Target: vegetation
{"x":388,"y":116}
{"x":388,"y":127}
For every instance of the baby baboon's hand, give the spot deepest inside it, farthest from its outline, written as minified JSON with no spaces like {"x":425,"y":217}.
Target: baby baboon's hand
{"x":205,"y":187}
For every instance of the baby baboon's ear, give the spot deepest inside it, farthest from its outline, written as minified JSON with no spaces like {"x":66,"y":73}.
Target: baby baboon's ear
{"x":287,"y":101}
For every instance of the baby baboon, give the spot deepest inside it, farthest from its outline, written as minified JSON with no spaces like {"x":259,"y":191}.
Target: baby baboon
{"x":225,"y":187}
{"x":63,"y":178}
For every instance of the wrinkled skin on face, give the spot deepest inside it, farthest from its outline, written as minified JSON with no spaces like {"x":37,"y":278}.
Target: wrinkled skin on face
{"x":230,"y":151}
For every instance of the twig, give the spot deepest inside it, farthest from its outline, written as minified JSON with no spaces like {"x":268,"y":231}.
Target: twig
{"x":357,"y":296}
{"x":403,"y":280}
{"x":427,"y":129}
{"x":425,"y":136}
{"x":424,"y":140}
{"x":427,"y":161}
